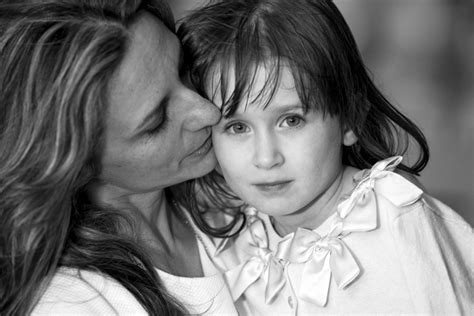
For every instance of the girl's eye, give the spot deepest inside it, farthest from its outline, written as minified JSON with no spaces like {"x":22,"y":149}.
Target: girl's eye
{"x":237,"y":128}
{"x":292,"y":121}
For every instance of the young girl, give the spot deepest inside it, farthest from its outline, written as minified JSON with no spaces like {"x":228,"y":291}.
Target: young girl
{"x":311,"y":147}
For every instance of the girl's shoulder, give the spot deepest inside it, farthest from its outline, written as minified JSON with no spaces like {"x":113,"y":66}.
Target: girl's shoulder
{"x":79,"y":292}
{"x":403,"y":192}
{"x":432,"y":242}
{"x":397,"y":196}
{"x":378,"y":193}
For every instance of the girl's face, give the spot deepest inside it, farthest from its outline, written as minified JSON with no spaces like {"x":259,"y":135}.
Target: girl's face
{"x":279,"y":159}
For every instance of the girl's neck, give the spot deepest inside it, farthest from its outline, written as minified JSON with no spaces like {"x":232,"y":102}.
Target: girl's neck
{"x":317,"y":211}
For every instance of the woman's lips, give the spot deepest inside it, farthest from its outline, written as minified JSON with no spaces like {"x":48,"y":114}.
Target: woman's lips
{"x":203,"y":149}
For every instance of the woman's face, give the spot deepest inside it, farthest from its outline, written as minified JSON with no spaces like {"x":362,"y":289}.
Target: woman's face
{"x":157,"y":129}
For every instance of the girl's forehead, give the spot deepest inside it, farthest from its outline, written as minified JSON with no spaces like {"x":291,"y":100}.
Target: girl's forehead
{"x":256,"y":84}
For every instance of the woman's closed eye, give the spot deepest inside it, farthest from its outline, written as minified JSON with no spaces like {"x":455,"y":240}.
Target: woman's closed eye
{"x":158,"y":126}
{"x":159,"y":123}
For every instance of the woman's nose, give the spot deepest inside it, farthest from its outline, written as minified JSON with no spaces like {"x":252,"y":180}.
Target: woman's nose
{"x":200,"y":113}
{"x":267,"y":153}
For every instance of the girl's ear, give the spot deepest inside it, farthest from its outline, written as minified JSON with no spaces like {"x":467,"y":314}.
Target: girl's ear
{"x":349,"y":138}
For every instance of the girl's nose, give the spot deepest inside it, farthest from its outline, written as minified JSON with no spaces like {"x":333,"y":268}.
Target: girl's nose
{"x":267,"y":154}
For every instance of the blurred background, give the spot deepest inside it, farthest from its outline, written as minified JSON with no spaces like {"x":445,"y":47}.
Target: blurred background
{"x":421,"y":55}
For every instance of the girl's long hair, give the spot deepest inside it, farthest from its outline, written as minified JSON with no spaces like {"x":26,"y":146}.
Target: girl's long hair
{"x":56,"y":59}
{"x":312,"y":38}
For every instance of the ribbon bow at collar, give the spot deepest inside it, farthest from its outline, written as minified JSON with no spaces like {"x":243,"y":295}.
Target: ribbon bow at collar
{"x":323,"y":257}
{"x":395,"y":188}
{"x":326,"y":256}
{"x":260,"y":264}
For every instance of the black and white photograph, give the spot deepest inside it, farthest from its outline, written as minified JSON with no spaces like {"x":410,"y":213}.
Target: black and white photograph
{"x":236,"y":157}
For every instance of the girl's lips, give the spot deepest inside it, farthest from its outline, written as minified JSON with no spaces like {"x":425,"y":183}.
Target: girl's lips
{"x":275,"y":186}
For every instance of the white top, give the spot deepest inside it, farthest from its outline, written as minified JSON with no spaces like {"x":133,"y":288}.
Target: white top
{"x":74,"y":292}
{"x":389,"y":248}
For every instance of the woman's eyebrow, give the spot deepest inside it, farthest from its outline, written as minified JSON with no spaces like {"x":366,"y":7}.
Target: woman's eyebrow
{"x":181,"y":58}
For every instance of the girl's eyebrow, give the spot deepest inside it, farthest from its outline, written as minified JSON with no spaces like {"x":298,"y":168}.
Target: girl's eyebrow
{"x":284,"y":107}
{"x":289,"y":107}
{"x":279,"y":108}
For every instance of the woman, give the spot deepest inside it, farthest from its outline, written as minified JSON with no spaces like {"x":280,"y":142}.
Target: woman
{"x":96,"y":126}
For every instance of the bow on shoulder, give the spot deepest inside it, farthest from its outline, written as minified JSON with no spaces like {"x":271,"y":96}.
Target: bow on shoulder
{"x":328,"y":256}
{"x":261,"y":262}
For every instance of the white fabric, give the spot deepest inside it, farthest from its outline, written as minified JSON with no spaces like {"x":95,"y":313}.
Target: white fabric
{"x":203,"y":296}
{"x":74,"y":292}
{"x":418,"y":260}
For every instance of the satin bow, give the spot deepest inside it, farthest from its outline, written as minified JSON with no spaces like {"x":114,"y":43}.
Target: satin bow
{"x":328,"y":256}
{"x":262,"y":263}
{"x":395,"y":188}
{"x":323,"y":257}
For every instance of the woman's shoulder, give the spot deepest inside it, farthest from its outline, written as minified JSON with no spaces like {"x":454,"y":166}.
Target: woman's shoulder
{"x":80,"y":292}
{"x":207,"y":295}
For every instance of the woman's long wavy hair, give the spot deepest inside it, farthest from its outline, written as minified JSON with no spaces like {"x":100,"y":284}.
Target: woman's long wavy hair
{"x":313,"y":39}
{"x":56,"y":59}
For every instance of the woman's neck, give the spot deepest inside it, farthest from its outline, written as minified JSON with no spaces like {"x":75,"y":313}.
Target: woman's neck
{"x":157,"y":227}
{"x":317,"y":211}
{"x":143,"y":205}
